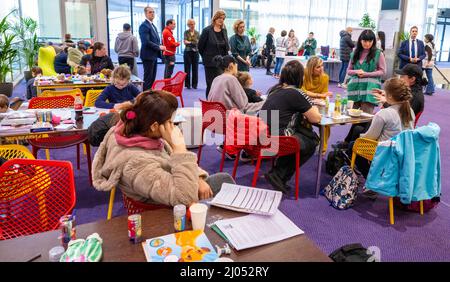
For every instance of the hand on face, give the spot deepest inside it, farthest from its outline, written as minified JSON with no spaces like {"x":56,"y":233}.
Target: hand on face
{"x":172,"y":134}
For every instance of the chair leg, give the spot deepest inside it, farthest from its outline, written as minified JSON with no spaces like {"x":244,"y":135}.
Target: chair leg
{"x":78,"y":156}
{"x":89,"y":161}
{"x":182,"y":102}
{"x":236,"y":163}
{"x":255,"y":176}
{"x":421,"y":208}
{"x":47,"y":154}
{"x":112,"y":196}
{"x":391,"y":210}
{"x":222,"y":162}
{"x":199,"y":154}
{"x":84,"y":150}
{"x":297,"y":175}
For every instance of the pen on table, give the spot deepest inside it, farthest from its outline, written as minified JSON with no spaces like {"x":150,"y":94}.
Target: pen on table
{"x":34,"y":258}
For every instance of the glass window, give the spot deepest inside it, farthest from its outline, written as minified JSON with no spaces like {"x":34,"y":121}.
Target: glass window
{"x":48,"y":16}
{"x":81,"y":19}
{"x":118,"y":15}
{"x":8,"y":6}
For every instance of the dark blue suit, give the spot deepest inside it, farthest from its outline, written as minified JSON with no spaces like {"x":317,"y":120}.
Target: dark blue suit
{"x":150,"y":52}
{"x":404,"y":53}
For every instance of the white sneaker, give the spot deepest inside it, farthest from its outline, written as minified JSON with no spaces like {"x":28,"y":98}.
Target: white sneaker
{"x":339,"y":85}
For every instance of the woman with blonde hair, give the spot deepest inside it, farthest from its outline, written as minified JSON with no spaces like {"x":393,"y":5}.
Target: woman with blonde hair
{"x":316,"y":80}
{"x":213,"y":42}
{"x":240,"y":46}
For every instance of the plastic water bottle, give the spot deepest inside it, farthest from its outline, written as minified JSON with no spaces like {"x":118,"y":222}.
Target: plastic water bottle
{"x":337,"y":105}
{"x":344,"y":105}
{"x":88,"y":68}
{"x":78,"y":106}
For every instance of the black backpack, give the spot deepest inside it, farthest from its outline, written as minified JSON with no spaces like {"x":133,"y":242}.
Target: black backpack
{"x":352,"y":253}
{"x":336,"y":160}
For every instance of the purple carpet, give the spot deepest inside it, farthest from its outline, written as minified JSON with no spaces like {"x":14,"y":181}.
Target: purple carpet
{"x":412,"y":238}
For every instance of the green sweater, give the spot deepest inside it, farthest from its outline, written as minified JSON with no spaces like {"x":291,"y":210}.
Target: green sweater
{"x":310,"y":46}
{"x":240,"y":46}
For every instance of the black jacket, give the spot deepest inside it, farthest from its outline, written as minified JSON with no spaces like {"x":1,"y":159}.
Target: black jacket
{"x":209,"y":48}
{"x":346,"y":46}
{"x":99,"y":128}
{"x":97,"y":63}
{"x":270,"y":44}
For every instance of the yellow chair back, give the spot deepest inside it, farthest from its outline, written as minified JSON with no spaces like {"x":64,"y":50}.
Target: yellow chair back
{"x":72,"y":92}
{"x":10,"y":152}
{"x":46,"y":60}
{"x":365,"y":148}
{"x":91,"y":97}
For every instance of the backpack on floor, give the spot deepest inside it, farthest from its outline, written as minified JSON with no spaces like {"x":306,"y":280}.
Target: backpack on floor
{"x":335,"y":160}
{"x":343,"y":189}
{"x":352,"y":253}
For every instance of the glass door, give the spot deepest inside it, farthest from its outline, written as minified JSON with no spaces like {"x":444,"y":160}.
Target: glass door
{"x":81,"y":19}
{"x":138,"y":16}
{"x":119,"y":13}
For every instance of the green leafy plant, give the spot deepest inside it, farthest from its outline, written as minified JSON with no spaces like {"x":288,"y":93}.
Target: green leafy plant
{"x":253,"y":33}
{"x":7,"y":51}
{"x":25,"y":30}
{"x":404,"y":36}
{"x":367,"y":22}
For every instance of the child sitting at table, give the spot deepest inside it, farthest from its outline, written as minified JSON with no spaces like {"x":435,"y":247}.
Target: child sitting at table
{"x":245,"y":79}
{"x":120,"y":91}
{"x":4,"y":104}
{"x":31,"y":89}
{"x":145,"y":156}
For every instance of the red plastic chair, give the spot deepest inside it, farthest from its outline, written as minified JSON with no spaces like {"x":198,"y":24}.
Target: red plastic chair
{"x":174,"y":85}
{"x":34,"y":195}
{"x":60,"y":142}
{"x":57,"y":102}
{"x":417,"y":119}
{"x":286,"y":146}
{"x":135,"y":207}
{"x":207,"y":109}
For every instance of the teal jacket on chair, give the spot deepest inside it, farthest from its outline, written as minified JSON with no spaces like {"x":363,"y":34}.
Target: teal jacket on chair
{"x":408,"y":166}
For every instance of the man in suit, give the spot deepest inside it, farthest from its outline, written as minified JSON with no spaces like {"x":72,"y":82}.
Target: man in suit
{"x":412,"y":51}
{"x":270,"y":50}
{"x":151,"y":48}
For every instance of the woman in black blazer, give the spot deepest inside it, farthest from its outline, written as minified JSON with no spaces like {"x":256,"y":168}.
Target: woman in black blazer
{"x":213,"y":41}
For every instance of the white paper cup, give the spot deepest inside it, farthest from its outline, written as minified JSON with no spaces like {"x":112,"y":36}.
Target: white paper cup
{"x":198,"y":216}
{"x":350,"y":105}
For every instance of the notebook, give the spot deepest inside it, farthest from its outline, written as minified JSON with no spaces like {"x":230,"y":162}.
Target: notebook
{"x":187,"y":246}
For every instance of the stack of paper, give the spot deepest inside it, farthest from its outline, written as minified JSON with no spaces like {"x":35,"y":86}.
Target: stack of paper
{"x":248,"y":199}
{"x":257,"y":230}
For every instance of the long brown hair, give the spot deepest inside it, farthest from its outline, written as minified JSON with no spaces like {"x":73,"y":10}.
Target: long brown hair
{"x":312,"y":63}
{"x":399,"y":91}
{"x":150,"y":107}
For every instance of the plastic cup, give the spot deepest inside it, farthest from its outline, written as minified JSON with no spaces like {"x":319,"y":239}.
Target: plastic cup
{"x":350,"y":104}
{"x":198,"y":216}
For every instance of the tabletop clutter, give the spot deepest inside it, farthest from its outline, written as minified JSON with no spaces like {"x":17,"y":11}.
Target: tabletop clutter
{"x":265,"y":224}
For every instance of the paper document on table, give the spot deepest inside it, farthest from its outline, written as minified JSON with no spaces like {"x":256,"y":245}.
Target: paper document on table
{"x":247,"y":199}
{"x":257,"y":230}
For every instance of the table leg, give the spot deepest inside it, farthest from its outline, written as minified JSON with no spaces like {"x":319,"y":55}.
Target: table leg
{"x":319,"y":165}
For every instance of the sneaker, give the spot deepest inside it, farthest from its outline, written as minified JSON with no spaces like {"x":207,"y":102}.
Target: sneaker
{"x":228,"y":156}
{"x":269,"y":73}
{"x":340,"y":145}
{"x":344,"y":86}
{"x":370,"y":194}
{"x":276,"y":182}
{"x":245,"y":158}
{"x":339,"y":85}
{"x":429,"y":94}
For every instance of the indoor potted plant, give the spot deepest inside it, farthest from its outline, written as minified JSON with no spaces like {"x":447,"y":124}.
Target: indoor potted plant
{"x":7,"y":55}
{"x":25,"y":30}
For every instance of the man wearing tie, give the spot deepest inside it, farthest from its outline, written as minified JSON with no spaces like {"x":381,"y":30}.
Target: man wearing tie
{"x":412,"y":51}
{"x":151,"y":48}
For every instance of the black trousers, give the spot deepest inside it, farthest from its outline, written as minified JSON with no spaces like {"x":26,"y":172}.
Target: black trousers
{"x":169,"y":61}
{"x":191,"y":68}
{"x":210,"y":74}
{"x":128,"y":61}
{"x":285,"y":166}
{"x":150,"y":68}
{"x":269,"y":62}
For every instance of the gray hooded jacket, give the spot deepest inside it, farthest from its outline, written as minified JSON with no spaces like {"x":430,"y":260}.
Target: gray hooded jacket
{"x":346,"y":46}
{"x":126,"y":45}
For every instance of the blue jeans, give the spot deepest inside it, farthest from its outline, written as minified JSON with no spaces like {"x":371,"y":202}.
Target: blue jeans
{"x":278,"y":65}
{"x":343,"y":71}
{"x":430,"y":86}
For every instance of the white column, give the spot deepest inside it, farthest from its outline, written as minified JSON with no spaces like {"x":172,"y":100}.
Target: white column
{"x":102,"y":19}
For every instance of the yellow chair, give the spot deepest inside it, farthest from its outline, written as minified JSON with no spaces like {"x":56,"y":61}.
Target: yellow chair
{"x":112,"y":196}
{"x":366,"y":149}
{"x":72,"y":92}
{"x":46,"y":60}
{"x":91,"y":97}
{"x":10,"y":152}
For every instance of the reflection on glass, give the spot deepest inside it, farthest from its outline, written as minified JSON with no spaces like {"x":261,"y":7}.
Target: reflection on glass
{"x":80,"y":19}
{"x":118,"y":15}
